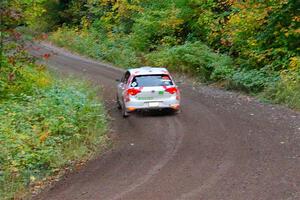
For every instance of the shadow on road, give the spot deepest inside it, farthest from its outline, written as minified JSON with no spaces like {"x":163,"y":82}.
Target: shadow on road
{"x":155,"y":113}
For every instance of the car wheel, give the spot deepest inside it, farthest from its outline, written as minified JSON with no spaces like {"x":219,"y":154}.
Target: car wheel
{"x":175,"y":112}
{"x":118,"y":103}
{"x":124,"y":112}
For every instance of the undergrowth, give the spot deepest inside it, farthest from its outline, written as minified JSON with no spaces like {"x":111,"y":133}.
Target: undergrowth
{"x":47,"y":123}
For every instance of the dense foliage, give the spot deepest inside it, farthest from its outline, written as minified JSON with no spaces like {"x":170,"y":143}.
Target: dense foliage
{"x":46,"y":124}
{"x":248,"y":45}
{"x":259,"y":40}
{"x":46,"y":130}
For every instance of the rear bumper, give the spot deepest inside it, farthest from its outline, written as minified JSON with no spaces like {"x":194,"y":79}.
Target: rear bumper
{"x":152,"y":105}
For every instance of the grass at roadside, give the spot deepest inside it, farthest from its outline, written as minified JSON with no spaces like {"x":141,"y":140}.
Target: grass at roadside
{"x":191,"y":57}
{"x":45,"y":131}
{"x":47,"y":124}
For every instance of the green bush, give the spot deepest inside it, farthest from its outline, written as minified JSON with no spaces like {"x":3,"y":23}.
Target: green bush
{"x":195,"y":58}
{"x":46,"y":123}
{"x":97,"y":46}
{"x":44,"y":131}
{"x":287,"y":90}
{"x":21,"y":78}
{"x":252,"y":80}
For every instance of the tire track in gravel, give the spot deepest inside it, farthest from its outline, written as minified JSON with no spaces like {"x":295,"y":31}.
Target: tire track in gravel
{"x":175,"y":136}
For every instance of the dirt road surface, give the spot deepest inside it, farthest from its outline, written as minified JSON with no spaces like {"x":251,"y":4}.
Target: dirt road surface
{"x":222,"y":146}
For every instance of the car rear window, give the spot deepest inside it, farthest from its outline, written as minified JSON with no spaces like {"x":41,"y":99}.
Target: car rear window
{"x":151,"y":80}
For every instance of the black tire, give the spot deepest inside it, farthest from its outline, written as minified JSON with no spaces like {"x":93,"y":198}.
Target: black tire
{"x":118,"y":103}
{"x":124,"y":113}
{"x":176,"y":112}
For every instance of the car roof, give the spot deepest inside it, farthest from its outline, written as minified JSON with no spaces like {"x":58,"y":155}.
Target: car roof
{"x":148,"y":70}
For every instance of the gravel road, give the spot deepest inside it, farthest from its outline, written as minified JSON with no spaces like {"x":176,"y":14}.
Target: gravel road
{"x":223,"y":145}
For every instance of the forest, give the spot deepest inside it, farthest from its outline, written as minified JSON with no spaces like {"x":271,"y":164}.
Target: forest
{"x":249,"y":46}
{"x":252,"y":46}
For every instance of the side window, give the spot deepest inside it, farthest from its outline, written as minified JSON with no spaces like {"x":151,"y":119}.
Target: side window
{"x":125,"y":77}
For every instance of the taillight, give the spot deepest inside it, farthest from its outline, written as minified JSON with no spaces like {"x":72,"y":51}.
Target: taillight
{"x":133,"y":91}
{"x":171,"y":90}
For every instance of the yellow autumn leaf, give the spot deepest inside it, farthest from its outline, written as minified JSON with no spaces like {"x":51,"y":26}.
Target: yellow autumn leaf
{"x":44,"y":136}
{"x":294,"y":63}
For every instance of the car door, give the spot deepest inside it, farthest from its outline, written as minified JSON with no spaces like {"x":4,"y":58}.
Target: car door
{"x":122,"y":85}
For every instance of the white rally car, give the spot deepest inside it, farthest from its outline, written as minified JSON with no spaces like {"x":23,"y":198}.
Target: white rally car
{"x":147,"y":88}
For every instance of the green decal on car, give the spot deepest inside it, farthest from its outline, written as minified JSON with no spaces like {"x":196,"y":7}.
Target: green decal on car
{"x":161,"y":92}
{"x":145,"y":98}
